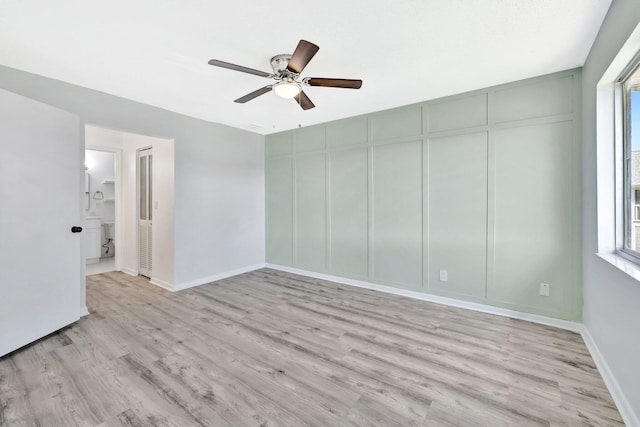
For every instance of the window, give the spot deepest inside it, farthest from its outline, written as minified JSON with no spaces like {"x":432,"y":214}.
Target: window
{"x":629,"y":104}
{"x":615,"y":130}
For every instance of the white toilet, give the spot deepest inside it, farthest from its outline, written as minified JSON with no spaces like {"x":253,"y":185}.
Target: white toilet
{"x":108,"y":239}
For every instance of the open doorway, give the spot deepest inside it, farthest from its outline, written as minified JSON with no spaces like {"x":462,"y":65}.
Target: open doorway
{"x":101,"y":203}
{"x":133,"y":219}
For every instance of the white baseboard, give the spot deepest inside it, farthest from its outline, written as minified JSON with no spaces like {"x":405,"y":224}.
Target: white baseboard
{"x":129,"y":271}
{"x":158,"y":282}
{"x":544,"y":320}
{"x":84,"y":311}
{"x":627,"y":412}
{"x":216,"y":277}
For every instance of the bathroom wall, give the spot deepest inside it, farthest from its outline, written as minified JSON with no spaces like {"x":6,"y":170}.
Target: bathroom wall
{"x":101,"y":168}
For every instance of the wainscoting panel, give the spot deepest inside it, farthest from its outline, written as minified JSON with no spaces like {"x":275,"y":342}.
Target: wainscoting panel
{"x":457,"y":214}
{"x":396,"y":232}
{"x":311,"y":218}
{"x":348,"y":218}
{"x":280,"y":145}
{"x":533,"y":220}
{"x":310,"y":139}
{"x":280,"y":210}
{"x":540,"y":98}
{"x":396,"y":123}
{"x":347,"y":132}
{"x":484,"y":186}
{"x":458,"y":113}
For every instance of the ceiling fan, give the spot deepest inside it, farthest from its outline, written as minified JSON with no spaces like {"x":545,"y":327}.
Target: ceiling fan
{"x":286,"y":73}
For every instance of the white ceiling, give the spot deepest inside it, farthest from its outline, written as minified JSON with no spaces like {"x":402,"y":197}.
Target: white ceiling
{"x":405,"y":51}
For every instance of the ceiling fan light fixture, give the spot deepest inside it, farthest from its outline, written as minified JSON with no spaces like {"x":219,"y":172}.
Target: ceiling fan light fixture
{"x":286,"y":89}
{"x":286,"y":72}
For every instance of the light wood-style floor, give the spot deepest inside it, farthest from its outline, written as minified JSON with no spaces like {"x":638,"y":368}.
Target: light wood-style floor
{"x":269,"y":348}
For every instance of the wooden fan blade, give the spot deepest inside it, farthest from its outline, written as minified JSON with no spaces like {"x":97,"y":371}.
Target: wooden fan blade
{"x":301,"y":56}
{"x":303,"y":100}
{"x":343,"y":83}
{"x":254,"y":94}
{"x":235,"y":67}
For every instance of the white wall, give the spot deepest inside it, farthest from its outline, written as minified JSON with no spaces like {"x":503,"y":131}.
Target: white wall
{"x":219,"y":212}
{"x":223,"y":182}
{"x":219,"y":175}
{"x":611,"y":310}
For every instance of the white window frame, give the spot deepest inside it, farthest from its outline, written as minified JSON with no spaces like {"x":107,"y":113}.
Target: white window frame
{"x":609,"y":165}
{"x":624,"y":173}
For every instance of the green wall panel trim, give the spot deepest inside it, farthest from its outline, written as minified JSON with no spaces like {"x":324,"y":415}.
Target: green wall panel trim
{"x":396,"y":238}
{"x":457,"y":113}
{"x":280,"y":210}
{"x":349,"y":213}
{"x":547,"y":97}
{"x":280,"y":144}
{"x":484,"y":185}
{"x":310,"y":139}
{"x":347,"y":132}
{"x":533,"y":220}
{"x":311,"y":222}
{"x":396,"y":123}
{"x":456,"y":192}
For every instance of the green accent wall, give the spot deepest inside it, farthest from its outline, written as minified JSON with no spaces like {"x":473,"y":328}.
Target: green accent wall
{"x":485,"y":185}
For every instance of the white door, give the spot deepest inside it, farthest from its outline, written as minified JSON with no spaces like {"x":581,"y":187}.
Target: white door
{"x":145,"y":170}
{"x":40,"y":201}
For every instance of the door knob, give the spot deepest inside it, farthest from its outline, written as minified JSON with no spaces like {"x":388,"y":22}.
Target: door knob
{"x":76,"y":229}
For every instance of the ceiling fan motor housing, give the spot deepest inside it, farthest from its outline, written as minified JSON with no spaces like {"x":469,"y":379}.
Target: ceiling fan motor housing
{"x":279,"y":64}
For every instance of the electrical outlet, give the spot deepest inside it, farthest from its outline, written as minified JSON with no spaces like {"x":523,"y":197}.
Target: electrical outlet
{"x":544,"y":289}
{"x":444,"y":276}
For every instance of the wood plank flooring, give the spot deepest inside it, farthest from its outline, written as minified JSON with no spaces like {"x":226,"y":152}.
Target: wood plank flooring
{"x":268,"y":348}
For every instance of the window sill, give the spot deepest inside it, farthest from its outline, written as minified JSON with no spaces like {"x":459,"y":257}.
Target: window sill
{"x":628,"y":267}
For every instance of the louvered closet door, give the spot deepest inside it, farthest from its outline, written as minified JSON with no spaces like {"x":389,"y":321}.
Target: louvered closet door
{"x":145,"y":216}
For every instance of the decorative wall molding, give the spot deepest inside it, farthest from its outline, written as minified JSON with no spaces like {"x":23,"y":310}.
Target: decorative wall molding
{"x":401,"y":196}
